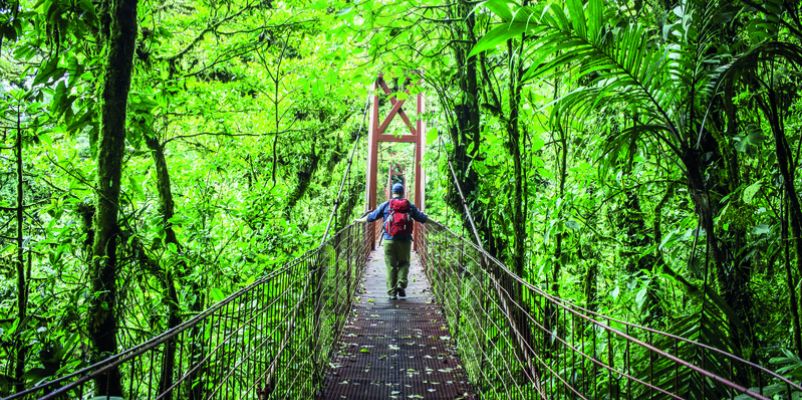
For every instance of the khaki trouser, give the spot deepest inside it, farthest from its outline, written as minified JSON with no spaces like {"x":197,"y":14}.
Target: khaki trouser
{"x":396,"y":257}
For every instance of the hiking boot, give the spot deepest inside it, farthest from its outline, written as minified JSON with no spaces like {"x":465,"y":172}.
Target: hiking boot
{"x":401,"y":292}
{"x":394,"y":296}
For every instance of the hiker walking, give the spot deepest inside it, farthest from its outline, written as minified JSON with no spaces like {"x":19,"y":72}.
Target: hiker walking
{"x":398,"y":214}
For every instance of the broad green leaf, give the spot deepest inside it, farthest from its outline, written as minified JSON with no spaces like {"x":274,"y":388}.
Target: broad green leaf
{"x":762,"y":229}
{"x":48,"y":70}
{"x":216,"y":295}
{"x":750,"y":192}
{"x":640,"y":297}
{"x":497,"y":36}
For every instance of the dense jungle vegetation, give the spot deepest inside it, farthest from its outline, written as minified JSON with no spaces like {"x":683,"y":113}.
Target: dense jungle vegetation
{"x":638,"y":157}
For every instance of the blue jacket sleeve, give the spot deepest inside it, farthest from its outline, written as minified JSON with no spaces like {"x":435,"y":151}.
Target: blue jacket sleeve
{"x":377,"y":213}
{"x":418,"y":215}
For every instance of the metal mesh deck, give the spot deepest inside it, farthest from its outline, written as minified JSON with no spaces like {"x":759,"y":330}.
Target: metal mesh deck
{"x":397,"y":349}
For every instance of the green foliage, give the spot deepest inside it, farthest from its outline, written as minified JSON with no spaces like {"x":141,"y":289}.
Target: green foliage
{"x":641,"y":139}
{"x":229,"y":93}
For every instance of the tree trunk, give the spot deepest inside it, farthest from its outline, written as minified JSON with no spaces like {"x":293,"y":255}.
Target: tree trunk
{"x":166,"y":203}
{"x":551,"y":312}
{"x":464,"y":130}
{"x":785,"y":164}
{"x":733,"y":285}
{"x":638,"y":237}
{"x":117,"y":82}
{"x":587,"y":252}
{"x":734,"y":270}
{"x":656,"y":311}
{"x":167,"y":210}
{"x":633,"y":217}
{"x":514,"y":140}
{"x":465,"y":135}
{"x":516,"y":289}
{"x":305,"y":175}
{"x":22,"y":286}
{"x":562,"y":175}
{"x":793,"y":305}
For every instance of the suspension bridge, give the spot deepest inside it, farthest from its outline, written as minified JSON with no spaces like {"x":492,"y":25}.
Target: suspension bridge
{"x":321,"y":327}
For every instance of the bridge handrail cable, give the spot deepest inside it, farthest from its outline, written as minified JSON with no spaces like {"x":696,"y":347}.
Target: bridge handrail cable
{"x":438,"y":261}
{"x":579,"y":310}
{"x":346,"y":243}
{"x":114,"y":360}
{"x":508,"y":293}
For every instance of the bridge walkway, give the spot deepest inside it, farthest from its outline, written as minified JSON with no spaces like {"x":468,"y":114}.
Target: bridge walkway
{"x":395,"y":349}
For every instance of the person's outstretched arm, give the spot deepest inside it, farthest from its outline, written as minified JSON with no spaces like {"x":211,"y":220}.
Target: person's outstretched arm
{"x":376,"y":214}
{"x":417,"y":215}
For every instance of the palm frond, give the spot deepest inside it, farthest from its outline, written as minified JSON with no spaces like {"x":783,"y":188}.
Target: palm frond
{"x":661,"y":74}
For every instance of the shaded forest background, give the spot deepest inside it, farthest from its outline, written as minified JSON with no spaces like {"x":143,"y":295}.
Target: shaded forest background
{"x":638,"y":158}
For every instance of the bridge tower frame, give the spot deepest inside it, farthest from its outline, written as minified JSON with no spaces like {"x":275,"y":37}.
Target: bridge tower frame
{"x":376,"y":134}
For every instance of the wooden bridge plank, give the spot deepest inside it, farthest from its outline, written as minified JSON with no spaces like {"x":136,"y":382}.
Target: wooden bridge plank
{"x":395,"y":349}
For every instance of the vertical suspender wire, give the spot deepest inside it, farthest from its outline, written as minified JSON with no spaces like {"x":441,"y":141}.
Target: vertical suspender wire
{"x":468,"y":215}
{"x":346,"y":173}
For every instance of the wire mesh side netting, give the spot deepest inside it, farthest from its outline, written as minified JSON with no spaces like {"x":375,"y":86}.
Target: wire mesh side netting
{"x":272,"y":339}
{"x":517,"y":341}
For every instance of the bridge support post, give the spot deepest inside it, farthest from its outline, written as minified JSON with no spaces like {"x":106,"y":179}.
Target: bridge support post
{"x":420,"y":142}
{"x":420,"y":183}
{"x":373,"y":161}
{"x":376,"y":135}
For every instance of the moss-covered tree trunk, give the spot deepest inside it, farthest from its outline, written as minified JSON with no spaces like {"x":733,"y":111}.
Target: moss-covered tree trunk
{"x":167,"y":211}
{"x":786,"y":165}
{"x":733,"y":281}
{"x":22,"y":286}
{"x":114,"y":100}
{"x":517,"y":152}
{"x":464,"y":127}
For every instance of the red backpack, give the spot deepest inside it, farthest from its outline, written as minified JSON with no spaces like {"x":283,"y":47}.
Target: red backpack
{"x":399,"y":222}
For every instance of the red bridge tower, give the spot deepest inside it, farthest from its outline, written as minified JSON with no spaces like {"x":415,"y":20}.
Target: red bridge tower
{"x":376,"y":135}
